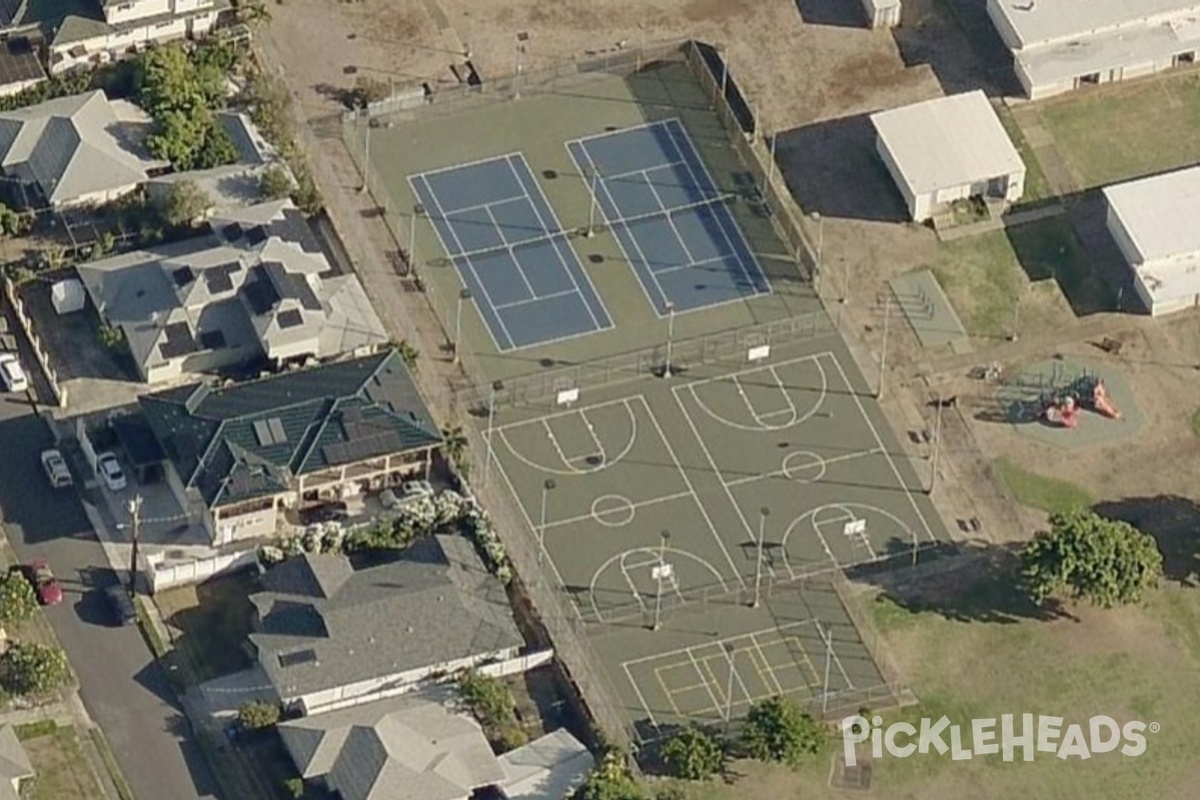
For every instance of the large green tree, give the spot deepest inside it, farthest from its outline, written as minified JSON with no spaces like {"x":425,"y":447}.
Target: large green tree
{"x":258,"y":714}
{"x":185,"y":203}
{"x":181,"y":89}
{"x":33,"y":669}
{"x":776,"y":730}
{"x":1085,"y":556}
{"x":17,"y":598}
{"x":610,"y":780}
{"x":488,"y":698}
{"x":693,"y":754}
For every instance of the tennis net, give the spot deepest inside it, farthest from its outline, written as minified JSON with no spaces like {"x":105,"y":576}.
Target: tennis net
{"x":511,"y":247}
{"x":726,"y":199}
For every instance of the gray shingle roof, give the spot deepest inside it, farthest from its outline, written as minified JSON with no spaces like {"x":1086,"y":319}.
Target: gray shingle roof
{"x":67,"y":147}
{"x":414,"y":746}
{"x":434,"y":603}
{"x":263,"y":264}
{"x":14,"y":762}
{"x":211,"y":436}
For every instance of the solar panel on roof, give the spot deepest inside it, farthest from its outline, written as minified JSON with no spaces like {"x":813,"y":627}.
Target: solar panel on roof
{"x":297,"y":658}
{"x":292,"y":318}
{"x":178,"y":341}
{"x":212,"y":340}
{"x":219,"y":278}
{"x":233,"y":232}
{"x":278,"y":434}
{"x":183,"y":276}
{"x":263,"y":433}
{"x":256,"y":235}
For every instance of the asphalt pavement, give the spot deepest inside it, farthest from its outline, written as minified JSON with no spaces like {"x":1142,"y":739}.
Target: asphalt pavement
{"x":124,"y":689}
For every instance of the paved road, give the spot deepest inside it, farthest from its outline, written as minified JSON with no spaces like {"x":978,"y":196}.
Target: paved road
{"x":122,"y":687}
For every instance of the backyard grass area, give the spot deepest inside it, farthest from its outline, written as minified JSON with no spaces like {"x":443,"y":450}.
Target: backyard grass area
{"x":972,"y":648}
{"x":209,"y":623}
{"x":1039,"y":491}
{"x":1036,"y":185}
{"x":1125,"y":131}
{"x":62,"y":771}
{"x":1196,"y":422}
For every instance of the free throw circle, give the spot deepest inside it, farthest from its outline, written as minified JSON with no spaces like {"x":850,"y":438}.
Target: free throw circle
{"x":612,"y":510}
{"x":803,"y":466}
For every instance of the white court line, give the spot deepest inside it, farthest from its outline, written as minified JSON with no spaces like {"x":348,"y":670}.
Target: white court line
{"x":729,"y":662}
{"x":533,"y":529}
{"x":683,"y":474}
{"x":643,"y":504}
{"x":462,"y":251}
{"x":621,"y":401}
{"x":562,"y":260}
{"x":618,"y":176}
{"x":782,"y":473}
{"x":691,"y":265}
{"x":760,"y":368}
{"x":662,"y":207}
{"x":467,"y":164}
{"x":891,"y":463}
{"x":609,"y":221}
{"x":766,"y":664}
{"x":569,"y":468}
{"x":500,"y":229}
{"x":551,"y":296}
{"x":707,"y":687}
{"x":720,"y":479}
{"x":487,"y":205}
{"x":721,"y":642}
{"x":641,"y":698}
{"x":721,"y":219}
{"x":791,"y":409}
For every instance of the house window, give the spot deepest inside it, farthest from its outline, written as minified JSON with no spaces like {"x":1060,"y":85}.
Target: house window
{"x":124,"y":6}
{"x":297,"y":658}
{"x":166,"y":24}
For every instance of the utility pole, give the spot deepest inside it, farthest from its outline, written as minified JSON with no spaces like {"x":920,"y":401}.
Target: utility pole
{"x":135,"y":522}
{"x":487,"y":465}
{"x":670,"y":336}
{"x":729,"y":653}
{"x":366,"y":171}
{"x":937,"y":445}
{"x":828,"y":659}
{"x":593,"y":177}
{"x":661,"y":570}
{"x":417,"y":211}
{"x":547,"y":486}
{"x":463,"y":295}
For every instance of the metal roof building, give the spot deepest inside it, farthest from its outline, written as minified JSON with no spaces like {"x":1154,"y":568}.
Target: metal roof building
{"x":1059,"y":45}
{"x":1153,"y":221}
{"x":948,"y":149}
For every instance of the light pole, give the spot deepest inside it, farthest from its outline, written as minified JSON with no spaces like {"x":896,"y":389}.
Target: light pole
{"x":887,"y":307}
{"x":522,"y":38}
{"x":135,"y":520}
{"x":937,"y":445}
{"x":763,"y":513}
{"x":828,"y":659}
{"x":463,"y":296}
{"x":770,"y":166}
{"x":593,"y":177}
{"x":661,"y":570}
{"x":487,"y":466}
{"x":729,"y":654}
{"x":547,"y":487}
{"x":417,"y":211}
{"x":1012,"y":337}
{"x":366,"y":149}
{"x":670,"y":337}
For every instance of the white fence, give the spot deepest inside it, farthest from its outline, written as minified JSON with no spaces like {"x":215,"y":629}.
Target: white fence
{"x":517,"y":664}
{"x":39,"y":351}
{"x":164,"y":576}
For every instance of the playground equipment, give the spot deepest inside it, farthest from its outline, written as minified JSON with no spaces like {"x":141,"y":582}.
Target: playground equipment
{"x":1087,"y":391}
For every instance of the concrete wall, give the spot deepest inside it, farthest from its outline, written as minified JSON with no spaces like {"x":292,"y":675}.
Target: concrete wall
{"x":881,"y":14}
{"x":250,"y":525}
{"x":916,"y":206}
{"x":1116,"y":229}
{"x":117,"y":43}
{"x":164,"y":576}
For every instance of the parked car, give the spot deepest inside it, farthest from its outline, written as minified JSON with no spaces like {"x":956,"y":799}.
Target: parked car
{"x":110,"y":472}
{"x":326,"y":512}
{"x":49,"y":591}
{"x":416,"y":489}
{"x":12,"y":374}
{"x":121,"y":603}
{"x":56,"y":469}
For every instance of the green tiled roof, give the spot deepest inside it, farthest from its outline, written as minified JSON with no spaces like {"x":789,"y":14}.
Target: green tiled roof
{"x":250,"y":439}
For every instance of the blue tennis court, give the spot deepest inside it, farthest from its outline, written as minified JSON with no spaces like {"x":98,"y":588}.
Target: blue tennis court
{"x":510,"y":252}
{"x":671,"y":220}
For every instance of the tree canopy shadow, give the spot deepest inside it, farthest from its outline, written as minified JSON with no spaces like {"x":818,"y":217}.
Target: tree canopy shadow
{"x":1173,"y":521}
{"x":965,"y":583}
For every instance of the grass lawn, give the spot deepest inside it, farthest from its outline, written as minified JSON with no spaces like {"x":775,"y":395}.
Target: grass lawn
{"x":1126,"y":131}
{"x":1039,"y":491}
{"x":1036,"y":185}
{"x":1041,"y":264}
{"x":62,"y":771}
{"x":210,"y":622}
{"x":1196,"y":422}
{"x":972,"y":650}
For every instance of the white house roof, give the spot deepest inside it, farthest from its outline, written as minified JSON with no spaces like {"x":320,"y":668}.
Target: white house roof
{"x":947,"y":141}
{"x":1159,"y":214}
{"x":550,"y":768}
{"x":1039,"y":21}
{"x":1142,"y":44}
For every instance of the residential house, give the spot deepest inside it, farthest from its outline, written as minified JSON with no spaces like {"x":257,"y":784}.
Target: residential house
{"x":257,"y":286}
{"x":74,"y":151}
{"x":238,"y":455}
{"x":20,"y":67}
{"x":125,"y":26}
{"x":1060,"y":45}
{"x":14,"y":764}
{"x":947,"y":149}
{"x":329,"y":635}
{"x":1153,"y":222}
{"x":421,"y":747}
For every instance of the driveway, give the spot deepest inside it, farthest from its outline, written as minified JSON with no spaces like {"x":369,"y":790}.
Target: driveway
{"x":124,"y":690}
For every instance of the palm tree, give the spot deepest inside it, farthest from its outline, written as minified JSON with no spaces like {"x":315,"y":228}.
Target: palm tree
{"x":454,"y":447}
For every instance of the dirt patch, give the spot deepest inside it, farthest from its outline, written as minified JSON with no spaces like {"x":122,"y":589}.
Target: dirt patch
{"x":1097,"y":631}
